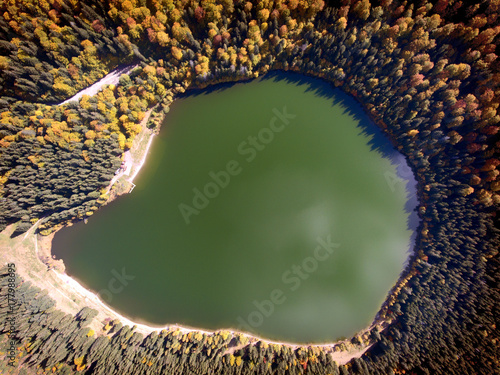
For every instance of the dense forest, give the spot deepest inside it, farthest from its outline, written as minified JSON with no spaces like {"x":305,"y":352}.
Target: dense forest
{"x":425,"y":71}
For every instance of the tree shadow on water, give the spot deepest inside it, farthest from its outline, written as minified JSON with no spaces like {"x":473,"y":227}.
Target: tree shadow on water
{"x":381,"y":144}
{"x":377,"y":140}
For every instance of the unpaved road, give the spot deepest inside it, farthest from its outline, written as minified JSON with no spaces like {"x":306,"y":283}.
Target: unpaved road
{"x":111,"y":78}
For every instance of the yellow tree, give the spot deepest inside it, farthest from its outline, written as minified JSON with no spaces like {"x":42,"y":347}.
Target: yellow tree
{"x":176,"y":52}
{"x":162,"y":38}
{"x":362,"y":9}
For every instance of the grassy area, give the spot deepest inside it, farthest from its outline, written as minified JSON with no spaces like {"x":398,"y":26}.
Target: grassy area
{"x":21,"y":250}
{"x":31,"y":253}
{"x":26,"y":251}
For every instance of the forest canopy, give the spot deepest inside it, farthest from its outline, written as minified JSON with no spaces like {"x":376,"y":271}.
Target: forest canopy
{"x":425,"y":71}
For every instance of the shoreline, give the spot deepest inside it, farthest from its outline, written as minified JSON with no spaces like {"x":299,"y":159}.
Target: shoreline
{"x":341,"y":351}
{"x":141,"y":164}
{"x":91,"y":299}
{"x":129,"y":163}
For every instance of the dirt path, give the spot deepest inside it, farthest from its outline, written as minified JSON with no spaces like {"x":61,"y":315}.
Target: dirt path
{"x":31,"y":253}
{"x":23,"y":252}
{"x":32,"y":228}
{"x":111,"y":78}
{"x":344,"y":357}
{"x":28,"y":251}
{"x":134,"y":159}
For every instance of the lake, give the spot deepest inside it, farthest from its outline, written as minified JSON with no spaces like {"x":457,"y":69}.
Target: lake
{"x":275,"y":207}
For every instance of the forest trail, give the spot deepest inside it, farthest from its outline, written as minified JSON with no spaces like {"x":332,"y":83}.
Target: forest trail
{"x":344,"y":357}
{"x":32,"y":228}
{"x":111,"y":78}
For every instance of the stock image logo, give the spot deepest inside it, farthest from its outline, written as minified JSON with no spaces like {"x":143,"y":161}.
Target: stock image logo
{"x":249,"y":148}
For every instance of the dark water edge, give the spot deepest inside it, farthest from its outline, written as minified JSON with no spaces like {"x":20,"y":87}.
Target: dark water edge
{"x":379,"y":142}
{"x":322,"y":89}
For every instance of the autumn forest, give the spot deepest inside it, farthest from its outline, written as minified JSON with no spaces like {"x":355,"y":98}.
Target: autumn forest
{"x":426,"y":72}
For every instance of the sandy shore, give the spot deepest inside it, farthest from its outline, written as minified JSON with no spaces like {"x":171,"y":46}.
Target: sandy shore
{"x":143,"y":160}
{"x":71,"y":296}
{"x":93,"y":301}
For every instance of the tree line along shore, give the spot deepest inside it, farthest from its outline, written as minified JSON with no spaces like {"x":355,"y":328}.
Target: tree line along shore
{"x":427,"y":74}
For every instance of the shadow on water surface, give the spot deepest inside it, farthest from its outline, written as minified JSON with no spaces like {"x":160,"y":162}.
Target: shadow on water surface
{"x":400,"y":175}
{"x":378,"y":141}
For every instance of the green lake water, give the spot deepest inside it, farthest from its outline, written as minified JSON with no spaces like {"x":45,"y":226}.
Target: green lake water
{"x":274,"y":207}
